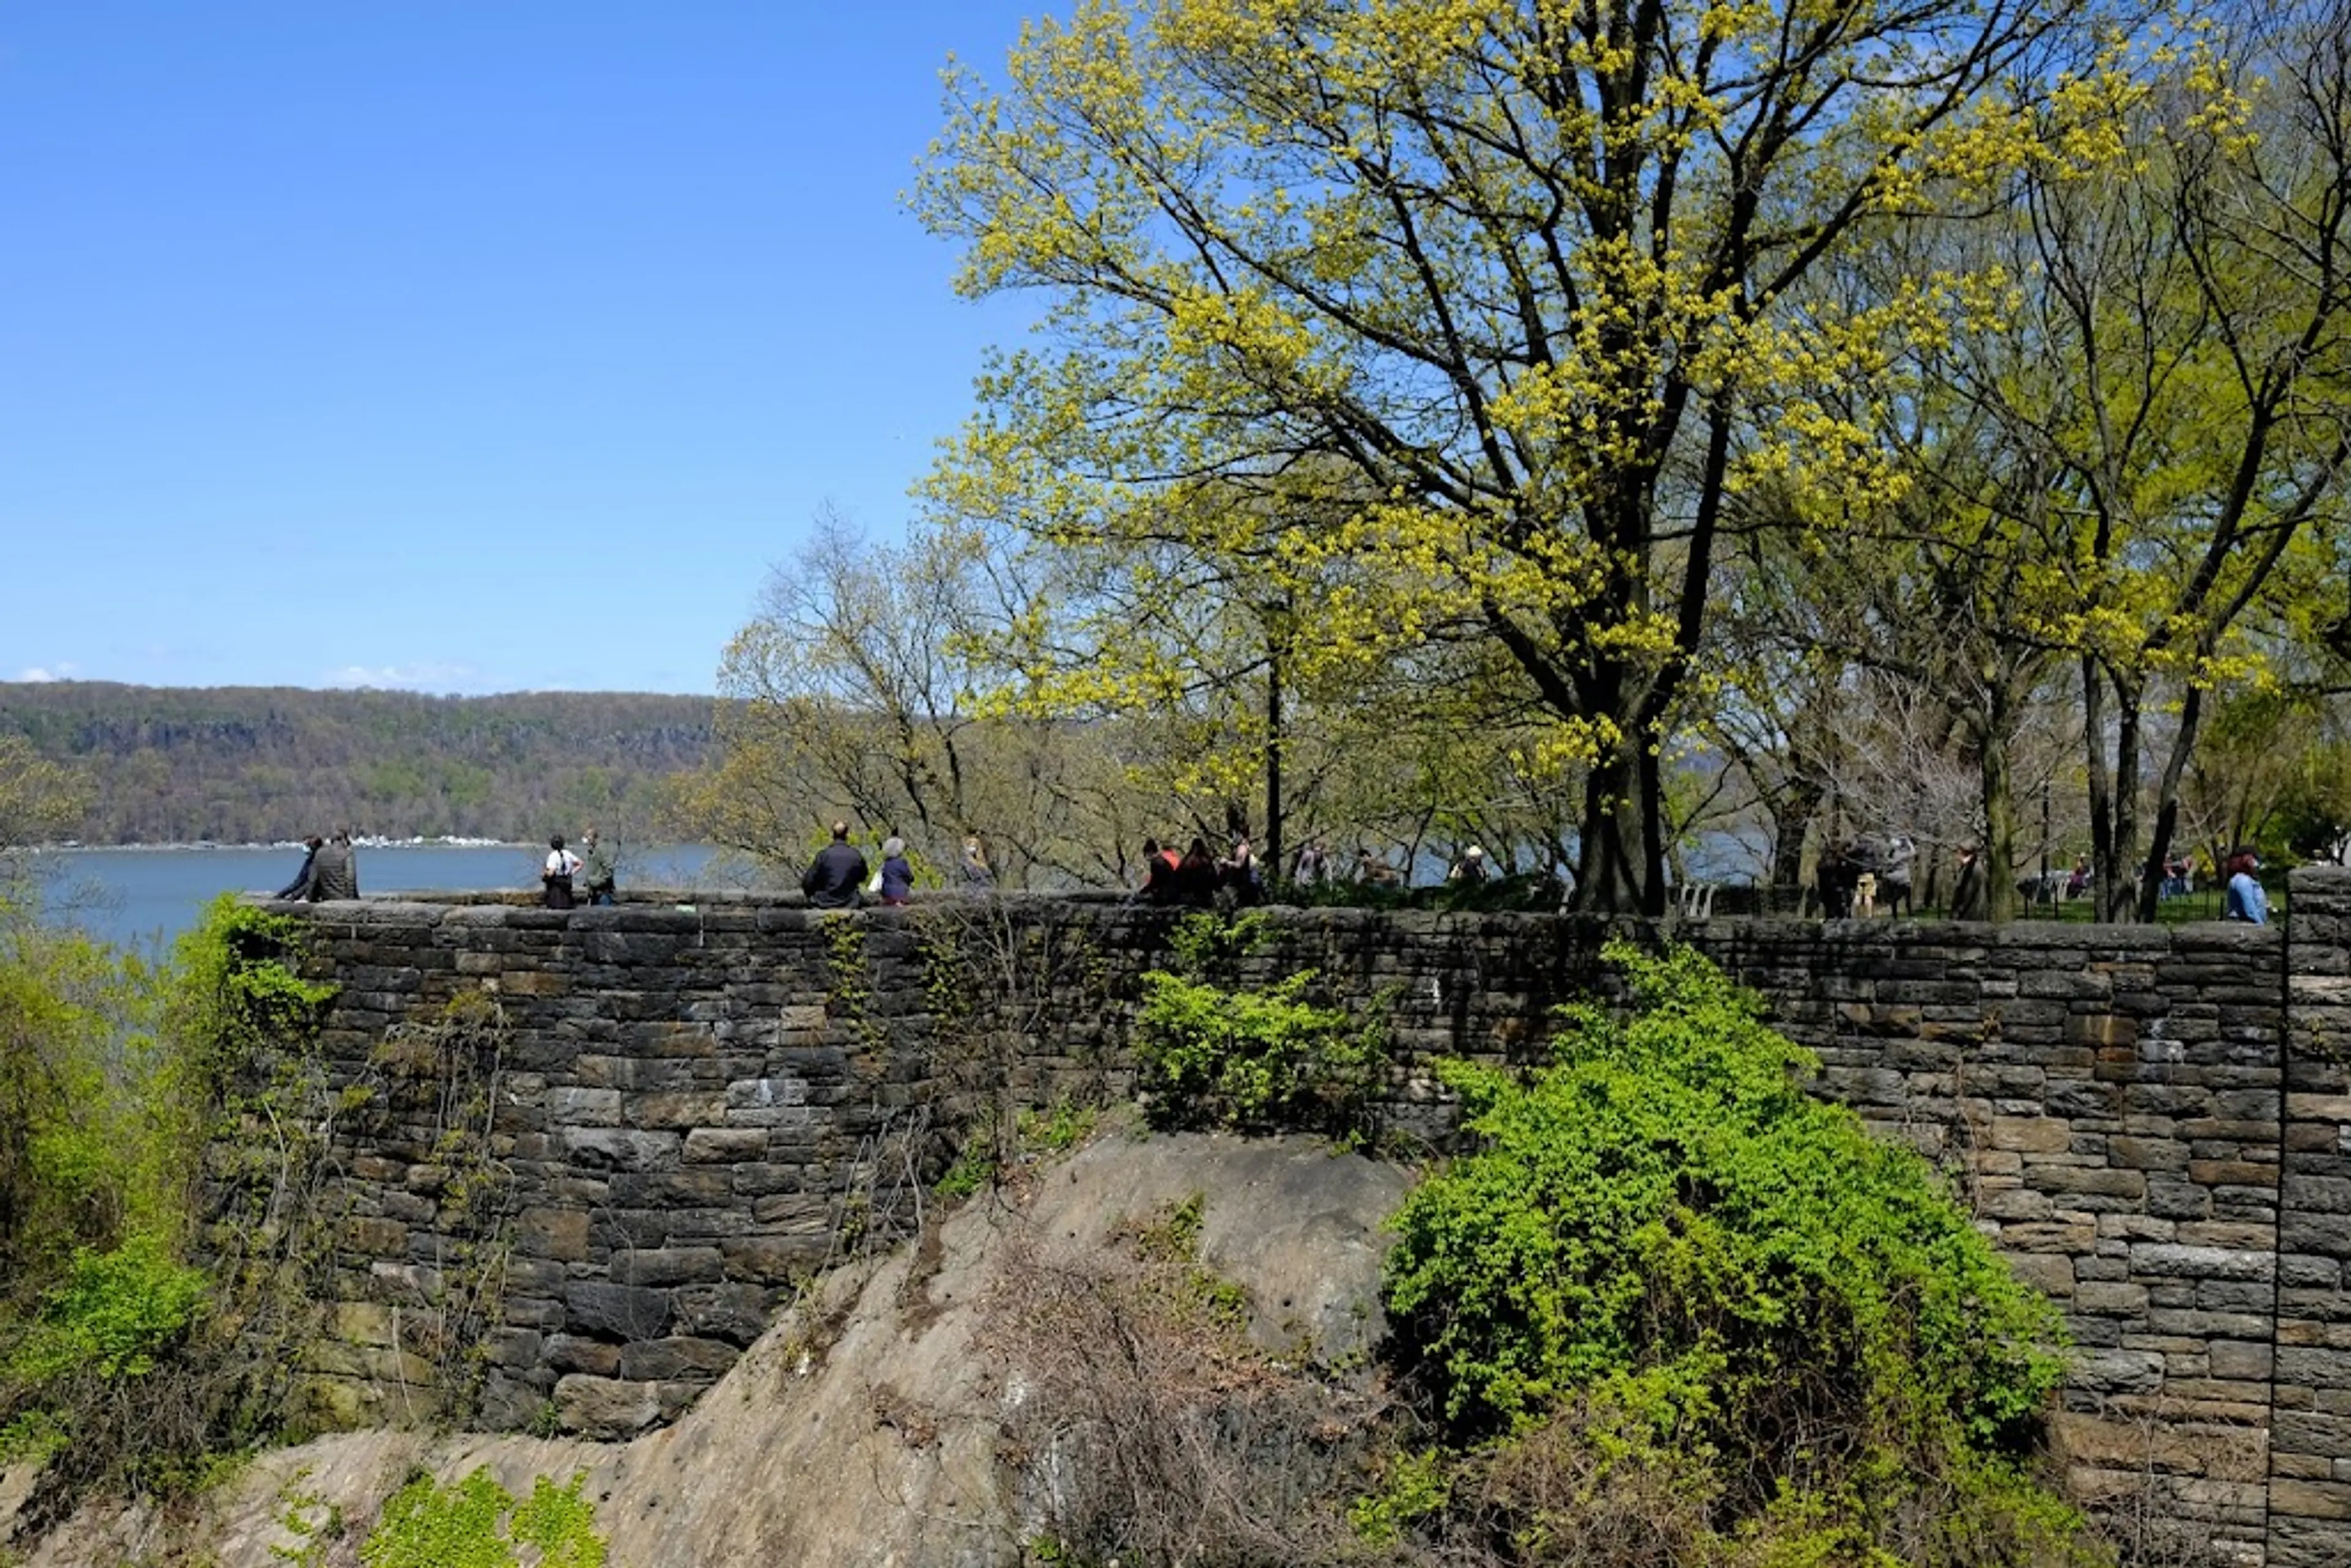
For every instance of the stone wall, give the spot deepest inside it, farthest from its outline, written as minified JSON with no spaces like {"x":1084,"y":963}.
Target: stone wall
{"x":694,"y":1107}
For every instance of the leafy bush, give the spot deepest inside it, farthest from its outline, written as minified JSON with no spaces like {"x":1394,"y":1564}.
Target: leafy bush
{"x":1219,"y":1055}
{"x":115,"y":1368}
{"x":113,"y":1315}
{"x":1665,"y":1234}
{"x":77,"y":1049}
{"x":1251,"y":1058}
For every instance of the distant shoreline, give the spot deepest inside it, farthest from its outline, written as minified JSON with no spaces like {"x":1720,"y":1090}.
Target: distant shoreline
{"x":70,"y":848}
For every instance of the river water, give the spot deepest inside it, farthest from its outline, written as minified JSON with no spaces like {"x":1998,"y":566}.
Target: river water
{"x":143,"y":895}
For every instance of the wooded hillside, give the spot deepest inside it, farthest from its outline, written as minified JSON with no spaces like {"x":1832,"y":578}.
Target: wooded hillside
{"x":239,"y":764}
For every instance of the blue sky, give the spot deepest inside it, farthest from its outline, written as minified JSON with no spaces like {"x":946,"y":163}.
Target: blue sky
{"x":459,"y":347}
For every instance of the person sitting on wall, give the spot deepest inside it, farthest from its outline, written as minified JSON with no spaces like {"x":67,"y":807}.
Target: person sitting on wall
{"x":835,"y":876}
{"x":1195,"y":877}
{"x":898,"y":876}
{"x":334,"y":870}
{"x":1471,"y":869}
{"x":301,"y":886}
{"x":1158,"y":873}
{"x":555,"y":876}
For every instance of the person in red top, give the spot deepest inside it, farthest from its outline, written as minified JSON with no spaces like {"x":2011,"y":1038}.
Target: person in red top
{"x":1158,"y":873}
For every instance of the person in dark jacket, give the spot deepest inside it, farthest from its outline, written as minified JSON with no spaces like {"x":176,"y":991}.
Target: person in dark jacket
{"x":1839,"y":876}
{"x":898,"y":875}
{"x":835,"y":876}
{"x":334,"y":871}
{"x":1195,"y":877}
{"x":1969,"y":895}
{"x":301,"y":886}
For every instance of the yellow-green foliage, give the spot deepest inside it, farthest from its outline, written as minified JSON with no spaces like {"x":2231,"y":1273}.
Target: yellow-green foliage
{"x":80,"y":1062}
{"x":1220,"y":1054}
{"x":1456,"y":320}
{"x":477,"y":1523}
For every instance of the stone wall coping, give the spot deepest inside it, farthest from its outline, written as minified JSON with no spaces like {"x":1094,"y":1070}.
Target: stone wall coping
{"x":732,"y":909}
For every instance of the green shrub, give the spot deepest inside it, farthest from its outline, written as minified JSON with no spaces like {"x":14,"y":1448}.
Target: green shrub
{"x":113,"y":1313}
{"x":1215,"y":1054}
{"x":78,"y":1057}
{"x":1665,"y":1229}
{"x":1252,"y":1058}
{"x":115,"y":1366}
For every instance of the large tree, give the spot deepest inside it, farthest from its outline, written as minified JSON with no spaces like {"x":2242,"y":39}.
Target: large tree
{"x":1523,"y":275}
{"x":2176,"y":375}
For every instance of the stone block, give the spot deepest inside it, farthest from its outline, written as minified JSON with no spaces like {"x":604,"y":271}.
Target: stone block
{"x":2147,"y":1153}
{"x":2031,"y":1134}
{"x":584,"y":1107}
{"x":2089,"y":1179}
{"x":2239,"y":1360}
{"x":2117,"y":1371}
{"x":605,"y":1408}
{"x":2051,"y":1273}
{"x":676,"y":1109}
{"x":616,"y":1312}
{"x":735,"y":1312}
{"x":2200,"y":1263}
{"x":363,"y":1323}
{"x":668,"y":1266}
{"x":725,"y":1145}
{"x":2311,"y":1499}
{"x":571,"y":1352}
{"x":560,"y":1234}
{"x":668,"y":1359}
{"x":2233,"y":1173}
{"x":771,"y":1259}
{"x":2053,"y":1237}
{"x":375,"y":1238}
{"x":2109,"y":1298}
{"x":620,"y":1149}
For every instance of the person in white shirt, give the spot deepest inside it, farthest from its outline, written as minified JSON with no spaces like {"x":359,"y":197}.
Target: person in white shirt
{"x":561,"y":866}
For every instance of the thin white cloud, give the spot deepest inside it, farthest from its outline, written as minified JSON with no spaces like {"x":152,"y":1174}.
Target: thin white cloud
{"x":60,"y":671}
{"x":405,"y":677}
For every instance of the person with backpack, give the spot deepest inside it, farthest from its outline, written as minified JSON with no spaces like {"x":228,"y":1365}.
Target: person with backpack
{"x":555,"y":876}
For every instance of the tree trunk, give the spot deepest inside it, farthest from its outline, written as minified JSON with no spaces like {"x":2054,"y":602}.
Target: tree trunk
{"x":1999,"y":818}
{"x":1271,"y":859}
{"x":2118,"y":889}
{"x":2167,"y":803}
{"x":1789,"y":819}
{"x":1613,"y":862}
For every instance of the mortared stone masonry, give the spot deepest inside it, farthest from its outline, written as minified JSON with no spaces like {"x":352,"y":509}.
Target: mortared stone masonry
{"x":692,"y":1108}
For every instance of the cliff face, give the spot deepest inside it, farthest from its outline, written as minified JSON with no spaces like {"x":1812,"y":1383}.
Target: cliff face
{"x":891,"y":1417}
